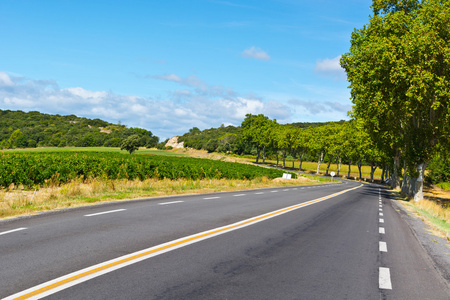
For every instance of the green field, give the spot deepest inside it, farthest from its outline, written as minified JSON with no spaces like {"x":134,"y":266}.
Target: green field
{"x":39,"y":168}
{"x":96,"y":149}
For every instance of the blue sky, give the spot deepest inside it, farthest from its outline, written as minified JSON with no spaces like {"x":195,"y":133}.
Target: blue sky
{"x":168,"y":66}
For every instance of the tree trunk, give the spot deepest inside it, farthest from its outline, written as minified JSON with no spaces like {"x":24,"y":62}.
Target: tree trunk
{"x":329,"y":163}
{"x":395,"y":181}
{"x":257,"y":154}
{"x":382,"y":173}
{"x":373,"y":167}
{"x":300,"y":156}
{"x":320,"y":161}
{"x":359,"y":168}
{"x":349,"y":167}
{"x":264,"y":155}
{"x":293,"y":161}
{"x":418,"y":191}
{"x":284,"y":159}
{"x":277,"y":158}
{"x":339,"y":161}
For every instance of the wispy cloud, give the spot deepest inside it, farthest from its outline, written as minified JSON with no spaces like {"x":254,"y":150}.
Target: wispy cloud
{"x":198,"y":104}
{"x":256,"y":53}
{"x":5,"y":80}
{"x":315,"y":108}
{"x":330,"y":68}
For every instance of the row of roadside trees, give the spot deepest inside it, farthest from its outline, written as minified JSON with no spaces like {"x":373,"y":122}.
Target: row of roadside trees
{"x":337,"y":142}
{"x":398,"y":67}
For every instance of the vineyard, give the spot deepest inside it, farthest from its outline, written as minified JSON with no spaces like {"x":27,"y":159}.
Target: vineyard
{"x":41,"y":168}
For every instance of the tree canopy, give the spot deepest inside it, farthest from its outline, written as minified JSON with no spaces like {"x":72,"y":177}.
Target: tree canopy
{"x":398,"y":67}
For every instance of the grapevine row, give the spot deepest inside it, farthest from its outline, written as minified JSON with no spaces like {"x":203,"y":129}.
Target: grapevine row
{"x":38,"y":168}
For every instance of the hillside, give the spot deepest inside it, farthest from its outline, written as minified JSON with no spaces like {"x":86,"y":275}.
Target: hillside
{"x":20,"y":129}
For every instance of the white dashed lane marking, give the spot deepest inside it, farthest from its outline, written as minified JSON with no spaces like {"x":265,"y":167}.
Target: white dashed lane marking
{"x":239,"y":195}
{"x":384,"y":279}
{"x":210,"y":198}
{"x":383,"y":247}
{"x":167,"y":203}
{"x":13,"y":230}
{"x":105,"y":212}
{"x":381,"y":230}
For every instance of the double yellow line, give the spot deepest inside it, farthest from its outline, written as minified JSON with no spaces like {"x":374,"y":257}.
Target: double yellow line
{"x":75,"y":278}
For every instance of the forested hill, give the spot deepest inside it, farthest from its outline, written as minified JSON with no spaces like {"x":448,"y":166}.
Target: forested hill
{"x":313,"y":124}
{"x":20,"y":129}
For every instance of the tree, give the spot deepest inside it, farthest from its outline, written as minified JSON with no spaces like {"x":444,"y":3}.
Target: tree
{"x":17,"y":139}
{"x":254,"y":128}
{"x":398,"y":68}
{"x":131,"y":143}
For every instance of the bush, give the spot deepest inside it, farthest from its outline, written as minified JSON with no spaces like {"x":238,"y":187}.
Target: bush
{"x":438,"y":170}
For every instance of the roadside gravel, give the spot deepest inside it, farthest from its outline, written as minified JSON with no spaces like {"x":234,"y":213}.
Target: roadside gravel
{"x":437,"y":247}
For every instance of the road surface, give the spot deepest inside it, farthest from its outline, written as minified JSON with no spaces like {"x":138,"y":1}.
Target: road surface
{"x":336,"y":241}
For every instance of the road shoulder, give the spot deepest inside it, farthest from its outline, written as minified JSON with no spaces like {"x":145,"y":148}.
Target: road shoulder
{"x":437,"y":247}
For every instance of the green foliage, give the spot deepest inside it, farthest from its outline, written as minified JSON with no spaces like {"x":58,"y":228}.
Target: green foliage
{"x":40,"y":168}
{"x":222,"y":139}
{"x":131,"y":144}
{"x":21,"y":130}
{"x":398,"y":68}
{"x":439,"y":169}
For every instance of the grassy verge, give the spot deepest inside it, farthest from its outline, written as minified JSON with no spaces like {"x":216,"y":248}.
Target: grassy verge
{"x":81,"y":193}
{"x":444,"y":185}
{"x":434,"y":211}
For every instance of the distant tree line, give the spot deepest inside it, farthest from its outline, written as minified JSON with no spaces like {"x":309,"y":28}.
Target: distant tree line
{"x":343,"y":142}
{"x":20,"y":129}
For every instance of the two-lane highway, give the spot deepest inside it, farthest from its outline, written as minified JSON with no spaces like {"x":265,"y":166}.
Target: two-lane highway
{"x":340,"y":241}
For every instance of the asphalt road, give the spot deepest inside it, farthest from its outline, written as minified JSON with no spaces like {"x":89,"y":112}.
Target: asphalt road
{"x":353,"y":245}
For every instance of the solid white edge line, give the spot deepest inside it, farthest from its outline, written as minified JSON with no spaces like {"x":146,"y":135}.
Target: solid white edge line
{"x":383,"y":247}
{"x":172,"y":202}
{"x":13,"y":230}
{"x":105,"y":212}
{"x":382,"y":230}
{"x":179,"y":243}
{"x":384,"y":279}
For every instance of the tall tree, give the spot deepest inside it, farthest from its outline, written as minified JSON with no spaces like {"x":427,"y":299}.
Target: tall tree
{"x":254,"y":131}
{"x":398,"y":68}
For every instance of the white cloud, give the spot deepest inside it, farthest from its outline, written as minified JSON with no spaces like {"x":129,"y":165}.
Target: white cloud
{"x":316,"y":108}
{"x":14,"y":101}
{"x":202,"y":105}
{"x":330,"y":68}
{"x":169,"y":77}
{"x":256,"y":53}
{"x":85,"y":94}
{"x":5,"y":80}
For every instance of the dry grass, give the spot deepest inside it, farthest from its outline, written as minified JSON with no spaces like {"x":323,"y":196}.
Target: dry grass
{"x":78,"y":193}
{"x":434,"y":209}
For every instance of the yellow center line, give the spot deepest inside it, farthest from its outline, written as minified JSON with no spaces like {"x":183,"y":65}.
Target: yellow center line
{"x":170,"y":245}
